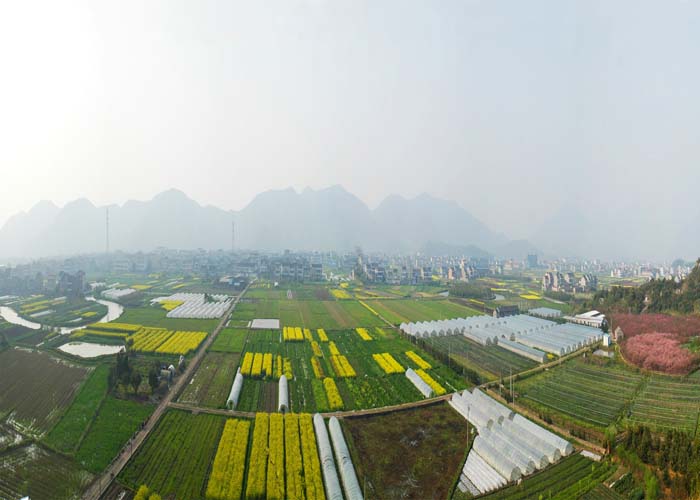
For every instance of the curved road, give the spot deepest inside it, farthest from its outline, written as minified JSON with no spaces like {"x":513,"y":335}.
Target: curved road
{"x":100,"y":485}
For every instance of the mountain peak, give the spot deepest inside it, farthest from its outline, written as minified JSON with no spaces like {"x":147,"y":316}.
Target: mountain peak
{"x":172,"y":194}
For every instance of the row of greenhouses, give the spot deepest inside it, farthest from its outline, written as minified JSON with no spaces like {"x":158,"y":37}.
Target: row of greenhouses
{"x":341,"y":461}
{"x":196,"y":305}
{"x":507,"y":446}
{"x":522,"y":334}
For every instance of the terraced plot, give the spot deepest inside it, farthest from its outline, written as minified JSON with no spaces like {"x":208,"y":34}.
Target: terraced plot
{"x":490,"y":362}
{"x":594,"y":395}
{"x":667,"y":403}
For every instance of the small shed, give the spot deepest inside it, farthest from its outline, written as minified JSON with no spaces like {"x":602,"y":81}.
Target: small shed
{"x":606,"y":340}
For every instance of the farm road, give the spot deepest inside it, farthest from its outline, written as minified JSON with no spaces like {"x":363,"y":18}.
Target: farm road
{"x":101,"y":483}
{"x":339,"y":414}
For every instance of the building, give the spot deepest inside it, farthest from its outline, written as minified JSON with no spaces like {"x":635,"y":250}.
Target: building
{"x":545,"y":312}
{"x":71,"y":284}
{"x":502,"y":311}
{"x":532,"y":261}
{"x":593,"y":318}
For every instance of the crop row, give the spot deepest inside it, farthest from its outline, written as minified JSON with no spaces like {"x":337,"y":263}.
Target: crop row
{"x":334,"y":400}
{"x":387,"y":363}
{"x":226,"y":478}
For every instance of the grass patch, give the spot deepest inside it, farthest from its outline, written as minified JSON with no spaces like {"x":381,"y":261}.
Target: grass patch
{"x":68,"y":432}
{"x":116,"y":422}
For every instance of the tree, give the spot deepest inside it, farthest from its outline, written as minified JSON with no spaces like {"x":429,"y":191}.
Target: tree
{"x":153,"y":379}
{"x":135,"y":381}
{"x":610,"y":435}
{"x":651,"y":486}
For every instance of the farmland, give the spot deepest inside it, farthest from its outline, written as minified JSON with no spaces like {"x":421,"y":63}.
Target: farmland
{"x":230,"y":340}
{"x":569,"y":479}
{"x":67,"y":434}
{"x":155,"y":317}
{"x":490,"y":362}
{"x":42,"y":475}
{"x":667,"y":403}
{"x":590,"y":394}
{"x":116,"y":421}
{"x":36,"y":388}
{"x":176,"y":457}
{"x":403,"y":311}
{"x":370,"y":387}
{"x":60,"y":310}
{"x":211,"y":384}
{"x":408,"y":454}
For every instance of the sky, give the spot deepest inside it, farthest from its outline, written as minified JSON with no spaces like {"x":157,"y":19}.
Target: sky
{"x":518,"y":111}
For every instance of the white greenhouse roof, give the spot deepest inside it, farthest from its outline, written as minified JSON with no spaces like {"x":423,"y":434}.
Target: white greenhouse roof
{"x":265,"y":324}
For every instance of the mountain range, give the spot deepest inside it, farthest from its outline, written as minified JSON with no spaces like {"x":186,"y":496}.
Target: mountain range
{"x":325,"y":219}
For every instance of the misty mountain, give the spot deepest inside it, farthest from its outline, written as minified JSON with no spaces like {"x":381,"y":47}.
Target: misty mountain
{"x":437,"y":249}
{"x":326,"y":219}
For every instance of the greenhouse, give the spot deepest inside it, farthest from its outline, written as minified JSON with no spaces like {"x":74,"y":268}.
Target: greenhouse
{"x":283,"y":395}
{"x":522,"y":350}
{"x":420,"y":384}
{"x":564,"y":447}
{"x":235,"y":393}
{"x":197,"y":305}
{"x":480,"y":475}
{"x":344,"y":461}
{"x":472,"y":413}
{"x":330,"y":475}
{"x":496,"y":459}
{"x":508,"y":445}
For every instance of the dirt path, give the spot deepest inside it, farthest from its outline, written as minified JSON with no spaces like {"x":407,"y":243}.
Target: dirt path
{"x":102,"y":482}
{"x":339,"y":414}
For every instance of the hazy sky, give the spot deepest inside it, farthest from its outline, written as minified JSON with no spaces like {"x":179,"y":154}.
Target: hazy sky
{"x":514,"y":109}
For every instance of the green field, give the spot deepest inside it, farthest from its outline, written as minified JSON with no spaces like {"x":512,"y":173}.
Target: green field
{"x":590,"y":394}
{"x":328,"y":314}
{"x":489,"y":362}
{"x":571,"y":478}
{"x":230,"y":340}
{"x":116,"y":422}
{"x":211,"y":384}
{"x":667,"y":403}
{"x":67,"y":434}
{"x":176,"y":458}
{"x":404,"y":311}
{"x":371,"y":387}
{"x":155,"y":316}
